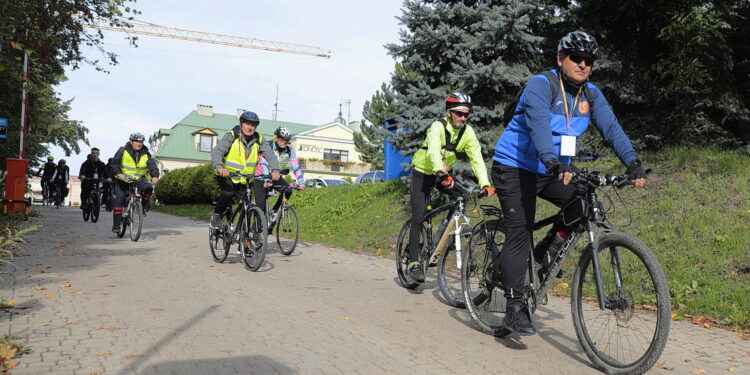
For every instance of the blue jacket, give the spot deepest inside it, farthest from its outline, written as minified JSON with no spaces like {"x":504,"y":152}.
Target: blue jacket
{"x":533,"y":136}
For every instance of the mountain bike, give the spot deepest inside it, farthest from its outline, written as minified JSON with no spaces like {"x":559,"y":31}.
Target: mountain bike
{"x":93,"y":202}
{"x":47,"y":193}
{"x":245,"y":225}
{"x":284,"y":220}
{"x":620,"y":297}
{"x":439,"y":250}
{"x":132,"y":216}
{"x":57,"y":197}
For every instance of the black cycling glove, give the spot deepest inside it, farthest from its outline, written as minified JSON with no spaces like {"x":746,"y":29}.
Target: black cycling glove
{"x":635,"y":170}
{"x":554,"y":167}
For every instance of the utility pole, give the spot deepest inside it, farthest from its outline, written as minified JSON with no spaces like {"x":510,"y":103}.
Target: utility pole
{"x":276,"y":104}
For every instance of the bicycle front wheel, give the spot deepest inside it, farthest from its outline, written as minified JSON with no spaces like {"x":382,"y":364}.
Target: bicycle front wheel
{"x":483,"y":296}
{"x":449,"y":274}
{"x":629,"y":334}
{"x":254,"y":238}
{"x":218,"y":240}
{"x":287,"y":230}
{"x":95,"y":209}
{"x":86,"y":212}
{"x":136,"y":220}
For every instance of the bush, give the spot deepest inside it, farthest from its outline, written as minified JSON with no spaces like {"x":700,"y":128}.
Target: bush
{"x":188,"y":185}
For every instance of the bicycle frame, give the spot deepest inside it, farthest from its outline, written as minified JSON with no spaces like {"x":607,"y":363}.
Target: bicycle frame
{"x":456,"y":222}
{"x":245,"y":203}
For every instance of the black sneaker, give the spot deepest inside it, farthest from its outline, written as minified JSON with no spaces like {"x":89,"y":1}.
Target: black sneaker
{"x":416,"y":273}
{"x":116,"y":229}
{"x":518,"y":319}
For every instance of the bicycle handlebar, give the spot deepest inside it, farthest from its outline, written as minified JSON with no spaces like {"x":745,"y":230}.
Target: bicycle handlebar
{"x":595,"y":178}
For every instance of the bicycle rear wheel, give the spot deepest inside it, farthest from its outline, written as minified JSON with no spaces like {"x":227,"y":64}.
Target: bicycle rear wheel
{"x":402,"y":255}
{"x":484,"y":299}
{"x":254,"y":238}
{"x":449,"y":274}
{"x":136,"y":220}
{"x":287,"y":225}
{"x":95,"y":205}
{"x":629,"y":335}
{"x":218,"y":240}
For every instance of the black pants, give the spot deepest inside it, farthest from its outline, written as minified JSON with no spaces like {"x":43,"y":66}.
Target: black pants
{"x":230,"y":190}
{"x":517,"y":190}
{"x":121,"y":190}
{"x":421,"y":187}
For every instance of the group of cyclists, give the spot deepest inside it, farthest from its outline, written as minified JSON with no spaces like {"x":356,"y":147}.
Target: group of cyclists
{"x":532,"y":158}
{"x":131,"y":163}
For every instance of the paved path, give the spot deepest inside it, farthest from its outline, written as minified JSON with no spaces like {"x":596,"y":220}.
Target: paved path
{"x":162,"y":306}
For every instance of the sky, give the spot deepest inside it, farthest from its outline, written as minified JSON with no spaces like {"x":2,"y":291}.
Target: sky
{"x":158,"y":83}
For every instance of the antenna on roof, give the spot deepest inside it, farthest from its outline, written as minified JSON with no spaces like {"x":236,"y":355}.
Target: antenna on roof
{"x":276,"y":104}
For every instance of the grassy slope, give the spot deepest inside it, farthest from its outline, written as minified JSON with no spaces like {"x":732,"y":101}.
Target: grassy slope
{"x":694,"y":214}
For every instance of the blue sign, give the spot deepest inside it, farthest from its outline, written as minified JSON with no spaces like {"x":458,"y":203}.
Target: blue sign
{"x":3,"y":127}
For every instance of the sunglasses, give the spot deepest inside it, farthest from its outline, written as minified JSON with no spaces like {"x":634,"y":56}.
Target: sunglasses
{"x":577,"y":58}
{"x":461,"y":114}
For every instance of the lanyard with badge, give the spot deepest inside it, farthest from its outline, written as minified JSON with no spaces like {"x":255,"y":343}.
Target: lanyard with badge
{"x":568,"y":142}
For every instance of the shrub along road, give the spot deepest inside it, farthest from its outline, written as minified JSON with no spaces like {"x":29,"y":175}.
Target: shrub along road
{"x":87,"y":302}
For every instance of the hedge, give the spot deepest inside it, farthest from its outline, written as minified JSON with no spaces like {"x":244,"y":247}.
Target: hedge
{"x":188,"y":185}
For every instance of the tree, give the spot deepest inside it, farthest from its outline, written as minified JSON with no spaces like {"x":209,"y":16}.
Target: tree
{"x":369,"y":140}
{"x":678,"y":76}
{"x":487,"y":49}
{"x":52,"y":34}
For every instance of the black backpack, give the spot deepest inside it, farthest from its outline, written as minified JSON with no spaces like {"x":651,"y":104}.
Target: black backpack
{"x":451,"y":146}
{"x":554,"y":88}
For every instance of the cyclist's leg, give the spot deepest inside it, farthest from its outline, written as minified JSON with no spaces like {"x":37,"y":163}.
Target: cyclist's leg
{"x":226,"y":193}
{"x":121,"y":188}
{"x":146,"y":190}
{"x":260,"y":194}
{"x":279,"y":187}
{"x":86,"y":187}
{"x":557,"y":193}
{"x":421,"y":185}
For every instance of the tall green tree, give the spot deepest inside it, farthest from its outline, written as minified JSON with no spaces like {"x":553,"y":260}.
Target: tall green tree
{"x":487,"y":49}
{"x":369,"y":139}
{"x":52,"y":33}
{"x":677,"y":76}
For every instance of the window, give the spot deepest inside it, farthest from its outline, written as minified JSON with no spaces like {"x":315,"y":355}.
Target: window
{"x":342,"y":155}
{"x":206,"y":143}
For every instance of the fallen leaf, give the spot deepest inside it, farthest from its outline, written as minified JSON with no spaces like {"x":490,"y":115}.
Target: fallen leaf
{"x":226,"y":350}
{"x":623,"y":324}
{"x":401,"y":311}
{"x":132,"y":356}
{"x":68,"y":322}
{"x":731,"y":369}
{"x":39,"y":288}
{"x":706,"y":325}
{"x":81,"y":236}
{"x":96,"y":372}
{"x":650,"y":307}
{"x":103,"y":354}
{"x":43,"y":324}
{"x":311,"y":287}
{"x":334,"y":262}
{"x":112,"y":329}
{"x":42,"y":271}
{"x":662,"y":365}
{"x":674,"y":315}
{"x":75,"y":292}
{"x":157,"y":309}
{"x":344,"y":318}
{"x":65,"y":284}
{"x":700,"y":371}
{"x":671,"y":339}
{"x":49,"y":297}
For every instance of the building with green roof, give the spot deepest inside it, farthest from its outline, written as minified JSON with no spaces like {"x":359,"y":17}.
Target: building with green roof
{"x":189,"y":142}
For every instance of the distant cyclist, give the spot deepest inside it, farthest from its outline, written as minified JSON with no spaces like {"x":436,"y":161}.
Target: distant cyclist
{"x":239,"y":151}
{"x":46,"y":171}
{"x":60,"y":179}
{"x":287,"y":160}
{"x":92,"y":168}
{"x":447,"y":137}
{"x":130,"y":165}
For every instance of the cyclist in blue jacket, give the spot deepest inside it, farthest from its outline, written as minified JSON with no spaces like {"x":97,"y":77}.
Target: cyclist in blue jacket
{"x":533,"y":155}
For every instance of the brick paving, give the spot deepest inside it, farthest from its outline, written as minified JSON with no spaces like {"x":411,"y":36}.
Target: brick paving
{"x":162,"y":306}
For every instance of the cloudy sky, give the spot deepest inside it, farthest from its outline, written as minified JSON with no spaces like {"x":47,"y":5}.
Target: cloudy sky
{"x":160,"y":82}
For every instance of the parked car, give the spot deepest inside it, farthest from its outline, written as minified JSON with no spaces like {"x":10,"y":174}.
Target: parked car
{"x":371,"y":177}
{"x":323,"y":182}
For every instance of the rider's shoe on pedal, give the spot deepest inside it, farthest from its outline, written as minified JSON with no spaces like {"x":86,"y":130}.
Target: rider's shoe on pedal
{"x":415,"y":272}
{"x":116,"y":228}
{"x":518,"y":319}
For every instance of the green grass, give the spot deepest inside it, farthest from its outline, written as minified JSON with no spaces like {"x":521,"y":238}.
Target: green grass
{"x":694,"y":214}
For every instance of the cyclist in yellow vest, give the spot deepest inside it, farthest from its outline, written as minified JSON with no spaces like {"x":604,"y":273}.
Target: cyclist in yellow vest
{"x":446,"y":138}
{"x":239,"y":151}
{"x":130,"y":165}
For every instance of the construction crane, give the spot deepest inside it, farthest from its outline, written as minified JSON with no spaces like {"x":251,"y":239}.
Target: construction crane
{"x":143,"y":28}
